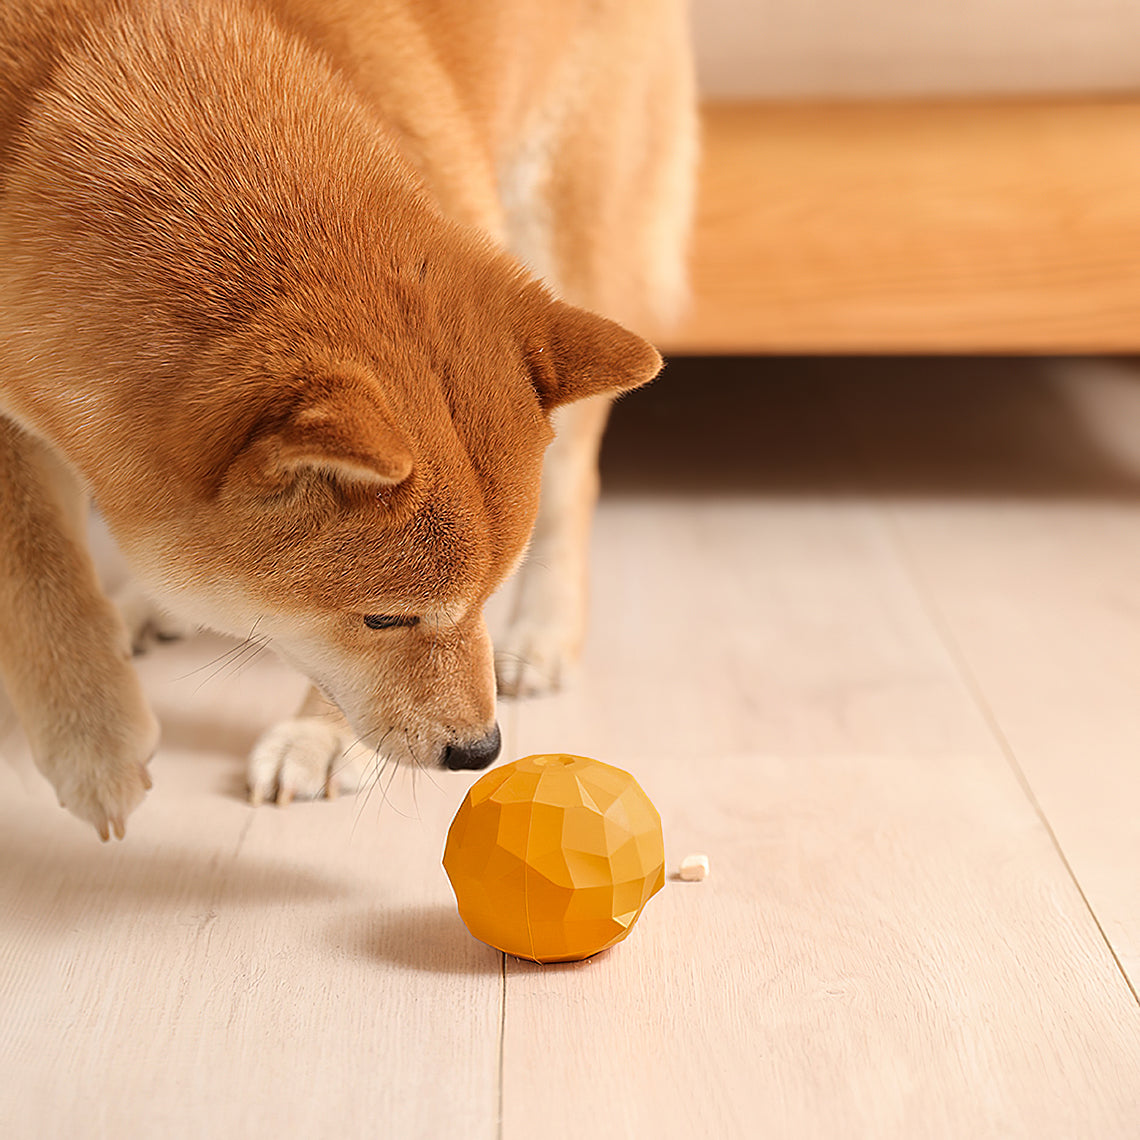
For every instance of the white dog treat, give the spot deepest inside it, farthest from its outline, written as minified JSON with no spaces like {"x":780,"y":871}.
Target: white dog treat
{"x":694,"y":868}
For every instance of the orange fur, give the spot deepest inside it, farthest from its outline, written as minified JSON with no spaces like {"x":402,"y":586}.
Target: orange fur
{"x":254,"y":298}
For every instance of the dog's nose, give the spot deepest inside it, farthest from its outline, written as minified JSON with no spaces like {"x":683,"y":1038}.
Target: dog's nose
{"x":473,"y":756}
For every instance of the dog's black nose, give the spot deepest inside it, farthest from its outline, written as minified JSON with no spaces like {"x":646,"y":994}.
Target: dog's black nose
{"x":473,"y":756}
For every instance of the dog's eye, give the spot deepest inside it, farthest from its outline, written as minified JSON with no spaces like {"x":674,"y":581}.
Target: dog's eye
{"x":388,"y":621}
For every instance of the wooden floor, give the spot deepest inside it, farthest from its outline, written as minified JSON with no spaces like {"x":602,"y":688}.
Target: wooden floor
{"x":868,"y":632}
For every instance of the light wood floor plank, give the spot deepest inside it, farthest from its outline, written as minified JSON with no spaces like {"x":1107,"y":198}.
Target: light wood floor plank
{"x":226,"y":971}
{"x":886,"y":947}
{"x":1038,"y":594}
{"x":743,"y":600}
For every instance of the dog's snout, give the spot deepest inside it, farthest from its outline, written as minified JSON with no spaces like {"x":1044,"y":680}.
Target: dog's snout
{"x":473,"y":756}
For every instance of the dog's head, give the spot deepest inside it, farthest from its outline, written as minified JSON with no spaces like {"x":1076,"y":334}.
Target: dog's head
{"x":312,"y":409}
{"x":365,"y":481}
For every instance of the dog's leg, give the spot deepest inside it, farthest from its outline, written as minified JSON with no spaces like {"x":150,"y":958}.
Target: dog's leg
{"x":548,"y":622}
{"x":604,"y":216}
{"x":64,"y":652}
{"x":310,"y":756}
{"x":145,"y":620}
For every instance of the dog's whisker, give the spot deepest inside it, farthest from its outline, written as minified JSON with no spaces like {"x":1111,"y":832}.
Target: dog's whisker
{"x":421,"y":766}
{"x":418,"y":766}
{"x":388,"y":788}
{"x":415,"y":766}
{"x":229,"y":653}
{"x":378,"y":765}
{"x":238,"y":665}
{"x":369,"y":782}
{"x":371,"y":731}
{"x":238,"y":661}
{"x":234,"y":660}
{"x":222,"y":657}
{"x":344,"y":760}
{"x":415,"y":798}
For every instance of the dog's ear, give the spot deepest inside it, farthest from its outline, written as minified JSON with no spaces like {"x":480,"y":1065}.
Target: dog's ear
{"x":339,"y":432}
{"x":352,"y":444}
{"x":573,"y":353}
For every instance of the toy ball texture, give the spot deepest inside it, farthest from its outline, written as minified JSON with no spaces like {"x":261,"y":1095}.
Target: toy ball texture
{"x":553,"y":858}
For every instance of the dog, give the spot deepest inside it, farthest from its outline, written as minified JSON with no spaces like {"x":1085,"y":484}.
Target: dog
{"x":300,"y":292}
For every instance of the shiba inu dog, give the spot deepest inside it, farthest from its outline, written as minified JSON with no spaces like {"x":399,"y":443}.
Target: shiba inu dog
{"x":300,"y":291}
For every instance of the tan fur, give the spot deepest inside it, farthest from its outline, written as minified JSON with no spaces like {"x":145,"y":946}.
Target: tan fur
{"x":260,"y":297}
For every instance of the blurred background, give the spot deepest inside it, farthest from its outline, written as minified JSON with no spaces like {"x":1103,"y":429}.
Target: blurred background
{"x":898,"y":48}
{"x":900,"y":176}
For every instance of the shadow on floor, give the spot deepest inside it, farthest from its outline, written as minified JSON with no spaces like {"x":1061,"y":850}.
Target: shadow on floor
{"x":429,"y":938}
{"x":867,"y":425}
{"x":53,"y":891}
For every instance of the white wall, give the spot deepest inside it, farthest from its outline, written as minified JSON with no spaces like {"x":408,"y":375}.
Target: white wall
{"x":892,"y":47}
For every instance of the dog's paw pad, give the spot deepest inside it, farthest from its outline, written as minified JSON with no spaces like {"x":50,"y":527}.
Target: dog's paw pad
{"x":146,"y":622}
{"x":303,"y":759}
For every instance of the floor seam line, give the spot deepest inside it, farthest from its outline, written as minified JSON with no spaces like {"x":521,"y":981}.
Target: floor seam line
{"x":973,"y":687}
{"x":502,"y":1046}
{"x":242,"y":836}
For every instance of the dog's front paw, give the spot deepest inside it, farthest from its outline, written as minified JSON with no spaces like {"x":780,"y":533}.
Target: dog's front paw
{"x":105,"y":796}
{"x":102,"y":777}
{"x":535,"y":658}
{"x":145,"y":620}
{"x":304,"y":758}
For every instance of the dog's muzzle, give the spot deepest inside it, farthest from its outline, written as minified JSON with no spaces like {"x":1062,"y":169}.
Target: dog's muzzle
{"x":473,"y":756}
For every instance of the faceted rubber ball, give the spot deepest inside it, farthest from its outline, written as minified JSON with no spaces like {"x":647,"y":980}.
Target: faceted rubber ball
{"x":553,"y":857}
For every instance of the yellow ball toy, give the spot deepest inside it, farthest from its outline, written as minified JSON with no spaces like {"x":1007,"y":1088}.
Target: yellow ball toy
{"x":553,"y":858}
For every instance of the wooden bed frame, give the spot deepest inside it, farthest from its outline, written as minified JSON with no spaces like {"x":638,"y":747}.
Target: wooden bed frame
{"x":1004,"y":227}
